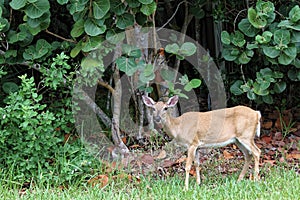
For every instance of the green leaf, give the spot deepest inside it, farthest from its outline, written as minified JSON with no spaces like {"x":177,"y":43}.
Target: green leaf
{"x":265,"y":38}
{"x":167,"y":74}
{"x":268,"y":99}
{"x":285,"y":59}
{"x":251,"y":95}
{"x":114,"y":37}
{"x":172,"y":48}
{"x":125,"y":21}
{"x":131,"y":51}
{"x":148,"y":9}
{"x":296,"y":62}
{"x":37,"y":9}
{"x":251,"y":46}
{"x":187,"y":49}
{"x":148,"y":70}
{"x":279,"y":87}
{"x":291,"y":51}
{"x":62,"y":2}
{"x":100,"y":8}
{"x":78,"y":28}
{"x":118,"y":7}
{"x":235,"y":88}
{"x":225,"y":37}
{"x":270,"y":51}
{"x":41,"y":48}
{"x":127,"y":65}
{"x":133,"y":3}
{"x":243,"y":58}
{"x":92,"y":28}
{"x":282,"y":37}
{"x":294,"y":74}
{"x":194,"y":83}
{"x":91,"y":43}
{"x":294,"y":14}
{"x":295,"y":37}
{"x":10,"y":87}
{"x":238,"y":39}
{"x":17,"y":4}
{"x":14,"y":37}
{"x":256,"y":20}
{"x":246,"y":27}
{"x":197,"y":11}
{"x":285,"y":23}
{"x":227,"y":55}
{"x":261,"y":89}
{"x":145,"y":1}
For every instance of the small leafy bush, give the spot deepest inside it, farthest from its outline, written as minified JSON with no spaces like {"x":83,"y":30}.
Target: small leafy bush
{"x":33,"y":130}
{"x":267,"y":42}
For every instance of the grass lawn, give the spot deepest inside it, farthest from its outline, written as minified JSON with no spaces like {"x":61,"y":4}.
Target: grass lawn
{"x":276,"y":183}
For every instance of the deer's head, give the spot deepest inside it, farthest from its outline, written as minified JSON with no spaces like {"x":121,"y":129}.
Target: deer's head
{"x":160,"y":108}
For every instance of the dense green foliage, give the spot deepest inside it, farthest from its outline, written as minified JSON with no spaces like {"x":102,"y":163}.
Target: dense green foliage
{"x":45,"y":44}
{"x":268,"y":42}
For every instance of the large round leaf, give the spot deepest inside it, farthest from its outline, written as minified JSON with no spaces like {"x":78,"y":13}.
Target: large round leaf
{"x":256,"y":20}
{"x":92,"y":28}
{"x":78,"y":28}
{"x":148,"y":9}
{"x":282,"y":37}
{"x":279,"y":86}
{"x":187,"y":49}
{"x":10,"y":87}
{"x":100,"y":8}
{"x":17,"y":4}
{"x":194,"y":83}
{"x":246,"y":27}
{"x":294,"y":14}
{"x":225,"y":37}
{"x":37,"y":9}
{"x":236,"y":87}
{"x":145,"y":1}
{"x":270,"y":51}
{"x":125,"y":20}
{"x":127,"y":65}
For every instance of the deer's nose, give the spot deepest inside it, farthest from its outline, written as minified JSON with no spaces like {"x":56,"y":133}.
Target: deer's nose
{"x":157,"y":118}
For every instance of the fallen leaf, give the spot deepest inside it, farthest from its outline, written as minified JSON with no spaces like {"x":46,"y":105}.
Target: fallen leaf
{"x":267,"y":125}
{"x":147,"y":159}
{"x":267,"y":139}
{"x":293,"y":156}
{"x":272,"y":162}
{"x":101,"y":180}
{"x":161,"y":155}
{"x":181,"y":160}
{"x":227,"y":155}
{"x":168,"y":163}
{"x":193,"y":171}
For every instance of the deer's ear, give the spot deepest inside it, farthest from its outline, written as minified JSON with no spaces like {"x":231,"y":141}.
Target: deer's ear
{"x":148,"y":101}
{"x":172,"y":101}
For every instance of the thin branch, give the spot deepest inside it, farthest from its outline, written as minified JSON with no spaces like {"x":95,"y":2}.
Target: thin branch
{"x":170,"y":17}
{"x":107,"y":86}
{"x":60,"y":37}
{"x":234,"y":22}
{"x":243,"y":75}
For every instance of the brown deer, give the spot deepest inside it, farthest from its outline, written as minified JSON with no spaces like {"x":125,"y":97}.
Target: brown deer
{"x":210,"y":129}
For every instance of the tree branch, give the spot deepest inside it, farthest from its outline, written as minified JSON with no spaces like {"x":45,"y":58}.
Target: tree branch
{"x":60,"y":37}
{"x":107,"y":86}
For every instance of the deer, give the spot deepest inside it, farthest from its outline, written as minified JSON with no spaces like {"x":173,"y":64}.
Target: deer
{"x":211,"y":129}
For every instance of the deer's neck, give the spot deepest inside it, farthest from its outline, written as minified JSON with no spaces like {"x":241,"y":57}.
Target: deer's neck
{"x":171,"y":125}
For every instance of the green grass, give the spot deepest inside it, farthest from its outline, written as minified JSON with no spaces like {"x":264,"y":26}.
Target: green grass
{"x":277,"y":183}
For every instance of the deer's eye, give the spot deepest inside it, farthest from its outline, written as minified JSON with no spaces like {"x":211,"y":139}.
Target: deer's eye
{"x":165,"y":108}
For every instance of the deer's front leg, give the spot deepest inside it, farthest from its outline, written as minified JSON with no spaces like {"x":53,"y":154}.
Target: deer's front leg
{"x":197,"y":164}
{"x":189,"y":161}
